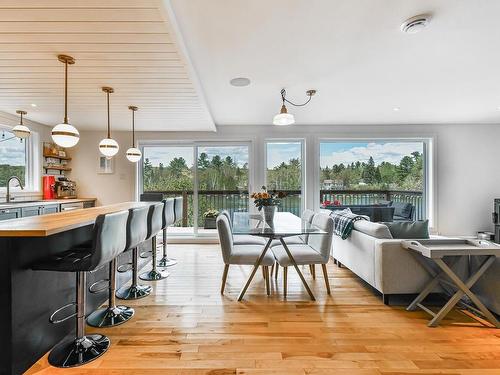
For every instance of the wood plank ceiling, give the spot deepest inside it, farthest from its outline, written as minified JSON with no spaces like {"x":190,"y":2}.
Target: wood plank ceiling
{"x":129,"y":45}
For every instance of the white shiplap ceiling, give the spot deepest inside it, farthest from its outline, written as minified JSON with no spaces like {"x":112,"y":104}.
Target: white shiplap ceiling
{"x":130,"y":45}
{"x":353,"y":53}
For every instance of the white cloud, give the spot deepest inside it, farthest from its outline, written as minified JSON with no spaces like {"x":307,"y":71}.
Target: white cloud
{"x":389,"y":152}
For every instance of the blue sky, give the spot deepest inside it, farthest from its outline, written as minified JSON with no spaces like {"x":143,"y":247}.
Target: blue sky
{"x":278,"y":152}
{"x":347,"y":152}
{"x":164,"y":154}
{"x":12,"y":151}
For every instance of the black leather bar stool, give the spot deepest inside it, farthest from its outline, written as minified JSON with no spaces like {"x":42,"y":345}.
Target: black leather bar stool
{"x":168,"y":220}
{"x":113,"y":314}
{"x":155,"y":222}
{"x":137,"y":230}
{"x":178,"y":209}
{"x":108,"y":241}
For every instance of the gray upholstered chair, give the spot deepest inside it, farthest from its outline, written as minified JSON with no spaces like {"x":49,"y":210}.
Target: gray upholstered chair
{"x":243,"y":239}
{"x":168,"y":219}
{"x":306,"y":216}
{"x":239,"y":254}
{"x":316,"y":251}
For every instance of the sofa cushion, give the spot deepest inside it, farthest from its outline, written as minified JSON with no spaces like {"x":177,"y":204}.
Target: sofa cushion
{"x":409,"y":229}
{"x":402,"y":209}
{"x":377,"y":230}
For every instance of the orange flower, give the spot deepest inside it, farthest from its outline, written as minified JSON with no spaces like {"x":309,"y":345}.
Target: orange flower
{"x":265,"y":195}
{"x":252,"y":195}
{"x":259,"y":195}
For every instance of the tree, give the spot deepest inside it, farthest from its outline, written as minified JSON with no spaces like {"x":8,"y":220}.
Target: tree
{"x":370,"y":172}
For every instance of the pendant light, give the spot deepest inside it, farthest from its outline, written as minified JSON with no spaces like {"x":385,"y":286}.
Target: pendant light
{"x":21,"y":131}
{"x":108,"y":146}
{"x":133,"y":154}
{"x":64,"y":134}
{"x":285,"y":118}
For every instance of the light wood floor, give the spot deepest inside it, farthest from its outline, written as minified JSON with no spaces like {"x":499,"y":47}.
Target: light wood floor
{"x":187,"y":327}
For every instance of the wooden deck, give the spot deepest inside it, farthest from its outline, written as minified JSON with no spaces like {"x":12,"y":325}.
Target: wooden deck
{"x":187,"y":327}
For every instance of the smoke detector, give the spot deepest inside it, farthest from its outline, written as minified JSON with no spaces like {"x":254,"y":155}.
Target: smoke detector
{"x":415,"y":24}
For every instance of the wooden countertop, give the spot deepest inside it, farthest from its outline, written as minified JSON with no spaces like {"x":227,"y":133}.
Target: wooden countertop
{"x":46,"y":225}
{"x":17,"y":204}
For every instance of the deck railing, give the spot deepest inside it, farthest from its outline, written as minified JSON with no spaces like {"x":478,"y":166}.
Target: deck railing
{"x":238,"y":201}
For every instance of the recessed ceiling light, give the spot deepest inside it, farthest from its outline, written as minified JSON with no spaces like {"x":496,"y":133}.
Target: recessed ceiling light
{"x":415,"y":24}
{"x":240,"y":81}
{"x":33,"y":105}
{"x":396,"y":109}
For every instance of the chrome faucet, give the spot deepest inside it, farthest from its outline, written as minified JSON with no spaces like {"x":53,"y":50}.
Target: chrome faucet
{"x":7,"y":198}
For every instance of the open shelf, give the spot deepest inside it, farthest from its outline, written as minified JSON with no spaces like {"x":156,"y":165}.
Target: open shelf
{"x":56,"y":157}
{"x":57,"y":168}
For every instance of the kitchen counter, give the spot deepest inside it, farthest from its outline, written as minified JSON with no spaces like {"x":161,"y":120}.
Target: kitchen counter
{"x":29,"y":297}
{"x":47,"y":225}
{"x":18,"y":204}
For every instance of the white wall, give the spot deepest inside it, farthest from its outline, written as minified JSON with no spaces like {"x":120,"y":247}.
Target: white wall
{"x":467,"y":178}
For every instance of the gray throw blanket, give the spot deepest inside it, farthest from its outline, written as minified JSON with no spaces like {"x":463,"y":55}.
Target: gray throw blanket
{"x":343,"y":222}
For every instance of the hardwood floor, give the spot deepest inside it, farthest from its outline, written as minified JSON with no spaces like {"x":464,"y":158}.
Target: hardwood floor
{"x":187,"y":327}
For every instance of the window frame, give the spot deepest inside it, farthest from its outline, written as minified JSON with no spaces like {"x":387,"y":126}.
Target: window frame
{"x":429,"y":191}
{"x":32,"y":164}
{"x":302,"y":141}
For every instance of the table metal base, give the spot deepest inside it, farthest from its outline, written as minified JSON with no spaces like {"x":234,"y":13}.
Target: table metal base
{"x":464,"y":288}
{"x":259,"y":261}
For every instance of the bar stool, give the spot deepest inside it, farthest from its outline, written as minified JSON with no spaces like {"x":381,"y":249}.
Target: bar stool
{"x":107,"y":243}
{"x":168,"y":220}
{"x":155,"y":222}
{"x":137,"y":230}
{"x":178,"y":209}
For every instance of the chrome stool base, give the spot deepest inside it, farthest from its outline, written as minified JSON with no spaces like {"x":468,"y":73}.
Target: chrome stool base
{"x":110,"y":316}
{"x":167,"y":262}
{"x":133,"y":292}
{"x":79,"y":351}
{"x":154,"y":275}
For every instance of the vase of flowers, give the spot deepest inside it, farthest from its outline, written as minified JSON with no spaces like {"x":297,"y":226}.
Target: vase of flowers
{"x":267,"y":202}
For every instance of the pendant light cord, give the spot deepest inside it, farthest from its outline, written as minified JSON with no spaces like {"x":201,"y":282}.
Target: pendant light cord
{"x":283,"y":94}
{"x":66,"y":92}
{"x":133,"y":128}
{"x":109,"y":132}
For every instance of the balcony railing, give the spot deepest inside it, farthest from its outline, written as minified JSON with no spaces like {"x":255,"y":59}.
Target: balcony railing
{"x":237,"y":201}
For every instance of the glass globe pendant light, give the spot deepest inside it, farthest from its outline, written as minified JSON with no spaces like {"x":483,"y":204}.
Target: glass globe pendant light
{"x":65,"y":134}
{"x":133,"y":154}
{"x":21,"y":131}
{"x":108,"y":146}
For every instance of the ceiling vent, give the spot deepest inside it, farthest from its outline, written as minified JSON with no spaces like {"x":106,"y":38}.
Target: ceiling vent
{"x":415,"y":24}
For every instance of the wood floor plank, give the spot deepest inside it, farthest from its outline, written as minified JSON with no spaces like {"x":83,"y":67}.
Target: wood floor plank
{"x":187,"y":328}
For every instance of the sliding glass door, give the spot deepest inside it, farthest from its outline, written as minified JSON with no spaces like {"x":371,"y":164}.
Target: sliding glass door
{"x":284,"y":172}
{"x":210,"y":177}
{"x":222,"y":181}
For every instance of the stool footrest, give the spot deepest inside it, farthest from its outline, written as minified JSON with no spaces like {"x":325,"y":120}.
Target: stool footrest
{"x":57,"y":321}
{"x":145,"y":254}
{"x":125,"y":267}
{"x":99,"y":290}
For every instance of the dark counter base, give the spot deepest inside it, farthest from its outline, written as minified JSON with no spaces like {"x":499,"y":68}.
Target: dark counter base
{"x":29,"y":297}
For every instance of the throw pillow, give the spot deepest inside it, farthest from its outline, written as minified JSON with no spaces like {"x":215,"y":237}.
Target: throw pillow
{"x":409,"y":229}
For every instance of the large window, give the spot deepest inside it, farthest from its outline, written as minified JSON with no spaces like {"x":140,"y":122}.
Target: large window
{"x":208,"y":176}
{"x":13,"y":158}
{"x":370,"y":172}
{"x":284,"y":172}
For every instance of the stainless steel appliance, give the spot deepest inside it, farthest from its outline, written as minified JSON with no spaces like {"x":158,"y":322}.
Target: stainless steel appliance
{"x":65,"y":188}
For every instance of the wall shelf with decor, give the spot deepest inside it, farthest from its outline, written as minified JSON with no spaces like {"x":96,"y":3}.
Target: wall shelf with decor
{"x":56,"y":160}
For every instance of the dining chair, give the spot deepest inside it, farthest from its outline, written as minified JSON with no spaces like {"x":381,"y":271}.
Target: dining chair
{"x":315,"y":251}
{"x":307,"y":216}
{"x":243,"y":239}
{"x":242,"y":254}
